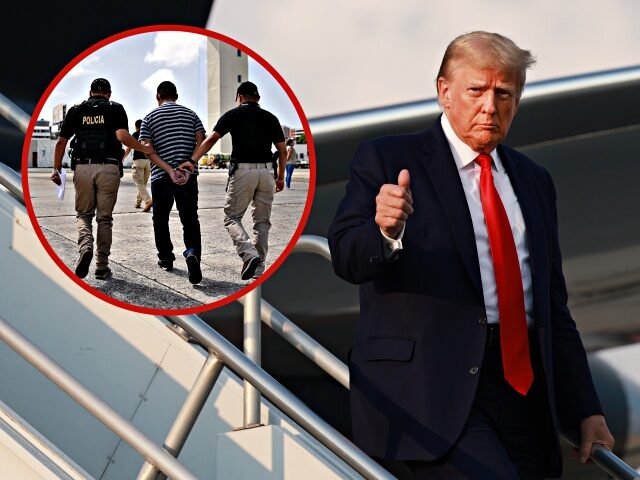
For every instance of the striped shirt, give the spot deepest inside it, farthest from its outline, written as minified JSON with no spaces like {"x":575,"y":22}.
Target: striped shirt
{"x":172,"y":128}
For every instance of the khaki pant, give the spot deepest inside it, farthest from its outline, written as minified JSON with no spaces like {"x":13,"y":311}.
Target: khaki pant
{"x":254,"y":187}
{"x":96,"y":194}
{"x":141,"y":170}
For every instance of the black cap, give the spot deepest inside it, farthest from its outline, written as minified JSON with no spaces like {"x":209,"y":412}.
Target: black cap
{"x":248,"y":88}
{"x":101,"y":85}
{"x":167,"y":89}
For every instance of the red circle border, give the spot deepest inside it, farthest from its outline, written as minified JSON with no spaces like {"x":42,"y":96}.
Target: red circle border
{"x":153,"y":29}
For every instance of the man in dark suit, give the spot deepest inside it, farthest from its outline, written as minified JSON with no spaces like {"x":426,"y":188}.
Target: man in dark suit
{"x":466,"y":361}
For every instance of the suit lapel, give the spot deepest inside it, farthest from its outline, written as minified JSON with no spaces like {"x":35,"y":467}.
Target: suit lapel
{"x":441,"y":168}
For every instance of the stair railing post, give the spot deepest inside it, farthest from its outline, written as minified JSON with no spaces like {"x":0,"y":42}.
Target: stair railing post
{"x":252,"y":349}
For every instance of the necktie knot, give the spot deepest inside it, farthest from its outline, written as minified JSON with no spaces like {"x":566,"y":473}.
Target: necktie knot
{"x":484,"y":161}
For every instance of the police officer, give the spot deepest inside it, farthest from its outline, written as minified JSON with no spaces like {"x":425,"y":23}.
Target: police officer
{"x":140,"y":171}
{"x":253,"y":131}
{"x":99,"y":127}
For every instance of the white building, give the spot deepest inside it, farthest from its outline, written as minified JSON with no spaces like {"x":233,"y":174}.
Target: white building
{"x":227,"y":67}
{"x":302,"y":154}
{"x":41,"y":153}
{"x":42,"y":129}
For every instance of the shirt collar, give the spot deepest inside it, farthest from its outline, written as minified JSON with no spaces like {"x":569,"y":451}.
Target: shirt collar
{"x":463,"y":153}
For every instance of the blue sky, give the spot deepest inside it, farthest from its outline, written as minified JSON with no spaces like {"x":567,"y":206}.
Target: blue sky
{"x":135,"y":65}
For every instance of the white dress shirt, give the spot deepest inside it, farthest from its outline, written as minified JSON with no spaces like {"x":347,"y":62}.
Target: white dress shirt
{"x":469,"y":172}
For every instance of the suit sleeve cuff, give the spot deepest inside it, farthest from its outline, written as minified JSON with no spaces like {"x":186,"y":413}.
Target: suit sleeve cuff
{"x":392,"y":247}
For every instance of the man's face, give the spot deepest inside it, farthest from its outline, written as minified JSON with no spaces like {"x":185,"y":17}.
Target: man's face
{"x":480,"y":103}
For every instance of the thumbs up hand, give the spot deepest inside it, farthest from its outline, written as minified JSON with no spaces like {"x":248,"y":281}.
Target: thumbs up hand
{"x":394,"y":204}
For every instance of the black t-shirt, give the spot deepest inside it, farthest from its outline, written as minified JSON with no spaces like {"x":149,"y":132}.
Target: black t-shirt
{"x":253,"y":130}
{"x":137,"y":155}
{"x":97,"y":115}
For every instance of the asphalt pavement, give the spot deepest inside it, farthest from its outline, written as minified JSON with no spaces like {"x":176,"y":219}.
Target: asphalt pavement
{"x":137,"y":279}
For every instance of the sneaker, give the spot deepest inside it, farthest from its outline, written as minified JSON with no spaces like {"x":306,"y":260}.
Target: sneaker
{"x":82,"y":267}
{"x":193,"y":265}
{"x":166,"y":265}
{"x":249,"y":268}
{"x":148,"y":205}
{"x":103,"y":273}
{"x":259,"y":271}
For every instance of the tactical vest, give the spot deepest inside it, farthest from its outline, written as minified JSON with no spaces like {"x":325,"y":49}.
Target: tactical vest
{"x":94,"y":138}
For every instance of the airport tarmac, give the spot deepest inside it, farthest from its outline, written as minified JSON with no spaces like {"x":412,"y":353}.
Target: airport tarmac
{"x":137,"y":279}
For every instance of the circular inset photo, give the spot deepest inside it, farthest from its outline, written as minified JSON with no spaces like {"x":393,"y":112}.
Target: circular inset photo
{"x":170,"y":169}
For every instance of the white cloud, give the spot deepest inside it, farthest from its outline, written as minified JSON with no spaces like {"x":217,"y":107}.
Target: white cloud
{"x":153,"y":80}
{"x":175,"y":49}
{"x":88,"y":66}
{"x":56,"y":94}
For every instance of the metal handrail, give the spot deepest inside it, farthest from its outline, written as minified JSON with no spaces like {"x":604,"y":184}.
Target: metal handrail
{"x":313,"y":244}
{"x":252,"y":345}
{"x":307,"y":345}
{"x":303,"y":342}
{"x":92,"y":404}
{"x":282,"y":398}
{"x":187,"y":416}
{"x":609,"y":462}
{"x":12,"y":181}
{"x":14,"y":113}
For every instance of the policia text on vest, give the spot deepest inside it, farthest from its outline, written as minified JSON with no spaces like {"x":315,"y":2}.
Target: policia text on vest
{"x":93,"y":120}
{"x":95,"y":141}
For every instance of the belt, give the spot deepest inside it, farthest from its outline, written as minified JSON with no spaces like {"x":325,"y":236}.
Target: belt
{"x":247,"y":166}
{"x":89,"y":161}
{"x":493,"y":335}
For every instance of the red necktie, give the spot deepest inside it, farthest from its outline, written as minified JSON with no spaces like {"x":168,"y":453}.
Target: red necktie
{"x":514,"y":340}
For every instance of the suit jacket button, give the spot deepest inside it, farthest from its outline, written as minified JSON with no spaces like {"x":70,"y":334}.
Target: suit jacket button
{"x":473,"y":370}
{"x":482,"y":320}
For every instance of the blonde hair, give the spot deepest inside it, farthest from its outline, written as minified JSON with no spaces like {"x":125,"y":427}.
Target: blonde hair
{"x":501,"y":50}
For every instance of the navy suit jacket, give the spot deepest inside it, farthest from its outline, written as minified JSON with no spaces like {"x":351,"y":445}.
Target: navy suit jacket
{"x":422,"y":321}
